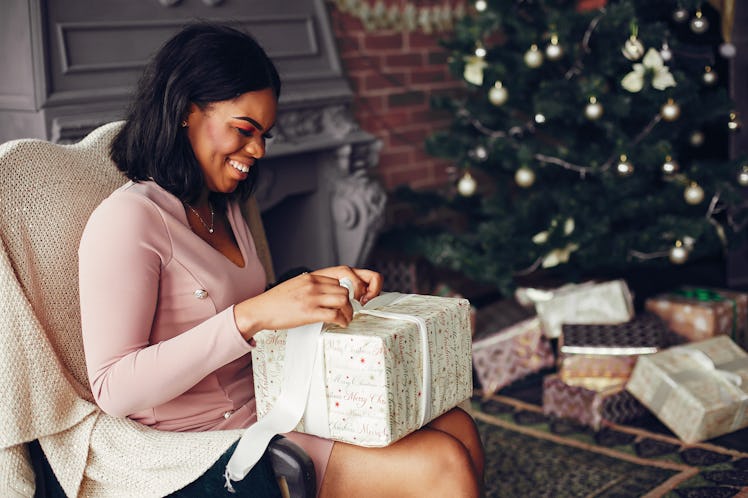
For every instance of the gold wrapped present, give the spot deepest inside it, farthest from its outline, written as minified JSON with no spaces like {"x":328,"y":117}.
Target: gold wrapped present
{"x":699,"y":390}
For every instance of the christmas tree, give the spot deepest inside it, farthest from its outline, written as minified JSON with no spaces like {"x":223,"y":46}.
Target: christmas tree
{"x":587,"y":142}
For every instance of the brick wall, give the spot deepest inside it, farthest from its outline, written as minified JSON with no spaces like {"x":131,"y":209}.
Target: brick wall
{"x":393,"y":74}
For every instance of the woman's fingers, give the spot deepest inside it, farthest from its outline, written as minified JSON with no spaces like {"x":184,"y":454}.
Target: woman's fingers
{"x":373,"y":284}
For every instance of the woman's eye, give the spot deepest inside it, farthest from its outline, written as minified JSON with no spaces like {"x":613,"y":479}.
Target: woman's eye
{"x":246,"y":132}
{"x":268,"y":136}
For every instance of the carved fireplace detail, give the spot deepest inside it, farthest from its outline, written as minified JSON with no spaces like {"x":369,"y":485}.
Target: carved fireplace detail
{"x":75,"y":64}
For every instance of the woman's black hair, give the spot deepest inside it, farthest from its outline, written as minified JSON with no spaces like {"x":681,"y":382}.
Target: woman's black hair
{"x":202,"y":64}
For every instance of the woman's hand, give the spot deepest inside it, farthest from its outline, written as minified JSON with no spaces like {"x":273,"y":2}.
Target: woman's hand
{"x":307,"y":298}
{"x":367,"y":284}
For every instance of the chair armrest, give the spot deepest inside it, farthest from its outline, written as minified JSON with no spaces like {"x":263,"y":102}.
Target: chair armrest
{"x":293,"y":468}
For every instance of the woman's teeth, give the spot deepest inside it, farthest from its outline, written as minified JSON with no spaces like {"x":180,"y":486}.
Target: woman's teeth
{"x":239,"y":166}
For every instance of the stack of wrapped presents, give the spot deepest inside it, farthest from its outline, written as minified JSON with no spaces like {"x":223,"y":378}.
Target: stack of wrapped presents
{"x":682,"y":358}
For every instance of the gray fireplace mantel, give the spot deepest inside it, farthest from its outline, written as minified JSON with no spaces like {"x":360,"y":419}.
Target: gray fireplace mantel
{"x":71,"y":65}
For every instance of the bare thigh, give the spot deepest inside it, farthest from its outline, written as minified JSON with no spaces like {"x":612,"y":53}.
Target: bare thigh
{"x":429,"y":462}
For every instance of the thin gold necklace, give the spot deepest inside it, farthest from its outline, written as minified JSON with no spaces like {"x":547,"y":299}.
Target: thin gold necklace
{"x":212,"y":216}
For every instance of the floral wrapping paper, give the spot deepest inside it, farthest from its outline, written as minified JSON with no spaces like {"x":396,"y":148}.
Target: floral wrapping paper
{"x":374,"y":372}
{"x":699,"y":390}
{"x":510,"y":354}
{"x":604,"y":302}
{"x":588,"y":406}
{"x":697,"y":319}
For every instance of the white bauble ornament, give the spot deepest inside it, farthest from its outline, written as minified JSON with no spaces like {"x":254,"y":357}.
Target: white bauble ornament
{"x":479,"y":153}
{"x":525,"y":177}
{"x":699,"y":23}
{"x":743,"y":176}
{"x":633,"y":49}
{"x":480,"y":51}
{"x":554,"y":51}
{"x":665,"y":52}
{"x":540,"y":118}
{"x":678,"y":253}
{"x":498,"y":95}
{"x":693,"y":194}
{"x":624,"y":167}
{"x":696,"y":138}
{"x":728,"y":50}
{"x":670,"y":166}
{"x":593,"y":110}
{"x":533,"y":57}
{"x":466,"y":185}
{"x":680,"y":15}
{"x":670,"y":111}
{"x":481,"y":5}
{"x":709,"y":77}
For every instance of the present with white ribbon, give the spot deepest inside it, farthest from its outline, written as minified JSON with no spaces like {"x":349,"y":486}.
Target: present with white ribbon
{"x":698,"y":390}
{"x":588,"y":303}
{"x":404,"y":360}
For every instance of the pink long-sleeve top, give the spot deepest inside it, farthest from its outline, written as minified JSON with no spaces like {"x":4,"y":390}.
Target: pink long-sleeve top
{"x":160,"y":339}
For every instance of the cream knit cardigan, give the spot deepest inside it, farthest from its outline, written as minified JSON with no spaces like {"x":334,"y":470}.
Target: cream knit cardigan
{"x":47,"y":193}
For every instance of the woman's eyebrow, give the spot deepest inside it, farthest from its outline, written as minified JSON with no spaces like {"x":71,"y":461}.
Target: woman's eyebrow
{"x":251,"y":121}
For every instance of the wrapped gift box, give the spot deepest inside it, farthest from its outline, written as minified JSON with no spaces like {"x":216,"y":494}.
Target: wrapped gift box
{"x":598,"y":356}
{"x":697,"y":314}
{"x":588,"y":406}
{"x":373,"y":369}
{"x":604,"y":302}
{"x":596,"y":372}
{"x":699,"y":390}
{"x":509,"y":344}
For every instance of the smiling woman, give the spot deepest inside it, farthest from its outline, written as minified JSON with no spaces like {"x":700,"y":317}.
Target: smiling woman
{"x":228,"y":137}
{"x":168,"y":344}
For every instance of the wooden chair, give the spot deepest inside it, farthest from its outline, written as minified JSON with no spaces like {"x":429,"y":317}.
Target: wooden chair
{"x":47,"y":192}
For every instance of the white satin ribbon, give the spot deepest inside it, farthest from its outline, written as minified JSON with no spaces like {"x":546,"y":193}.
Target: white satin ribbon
{"x":304,"y":373}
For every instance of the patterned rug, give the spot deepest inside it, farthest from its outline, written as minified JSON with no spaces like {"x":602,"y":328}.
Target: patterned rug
{"x":530,"y":455}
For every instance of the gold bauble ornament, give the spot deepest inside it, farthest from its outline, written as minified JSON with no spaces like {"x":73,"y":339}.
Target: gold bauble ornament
{"x":670,"y":166}
{"x":678,"y":253}
{"x":524,"y":176}
{"x":554,"y":51}
{"x":743,"y":176}
{"x":467,"y":185}
{"x":697,"y":138}
{"x":533,"y":57}
{"x":733,"y":124}
{"x":693,"y":194}
{"x":624,"y":167}
{"x":709,"y":77}
{"x":699,"y":24}
{"x":498,"y":95}
{"x":633,"y":49}
{"x":670,"y":110}
{"x":593,"y":110}
{"x":680,"y":15}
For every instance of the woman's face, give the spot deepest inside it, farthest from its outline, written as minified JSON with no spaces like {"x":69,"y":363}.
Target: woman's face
{"x":227,"y":137}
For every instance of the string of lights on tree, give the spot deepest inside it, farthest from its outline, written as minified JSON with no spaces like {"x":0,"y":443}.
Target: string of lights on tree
{"x":634,"y":90}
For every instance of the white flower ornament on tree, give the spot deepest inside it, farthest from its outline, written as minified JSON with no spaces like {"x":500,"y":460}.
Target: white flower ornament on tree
{"x":474,"y":67}
{"x":651,"y":64}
